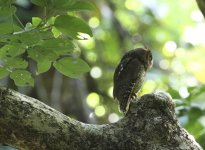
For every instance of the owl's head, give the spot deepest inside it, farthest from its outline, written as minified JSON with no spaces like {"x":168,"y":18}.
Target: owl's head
{"x":148,"y":56}
{"x":144,"y":55}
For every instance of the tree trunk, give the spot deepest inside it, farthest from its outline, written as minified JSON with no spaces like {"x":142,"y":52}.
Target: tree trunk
{"x":26,"y":123}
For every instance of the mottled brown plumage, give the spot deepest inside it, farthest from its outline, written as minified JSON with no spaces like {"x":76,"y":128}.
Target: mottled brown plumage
{"x":129,"y":76}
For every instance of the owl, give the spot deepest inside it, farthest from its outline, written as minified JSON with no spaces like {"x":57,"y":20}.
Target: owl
{"x":129,"y":76}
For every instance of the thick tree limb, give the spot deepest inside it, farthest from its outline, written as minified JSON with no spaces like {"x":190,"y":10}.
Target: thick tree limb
{"x":201,"y":4}
{"x":27,"y":123}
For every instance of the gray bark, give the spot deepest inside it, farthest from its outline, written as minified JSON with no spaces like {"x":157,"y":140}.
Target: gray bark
{"x":150,"y":124}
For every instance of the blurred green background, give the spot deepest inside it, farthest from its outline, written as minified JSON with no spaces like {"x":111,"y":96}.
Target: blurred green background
{"x":173,"y":30}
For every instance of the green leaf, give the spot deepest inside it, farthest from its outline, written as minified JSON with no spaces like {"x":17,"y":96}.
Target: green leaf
{"x":201,"y":138}
{"x":195,"y":92}
{"x":3,"y":72}
{"x":72,"y":26}
{"x":71,"y":67}
{"x":193,"y":125}
{"x":40,"y":2}
{"x":48,"y":51}
{"x":36,"y":21}
{"x":60,"y":46}
{"x":38,"y":53}
{"x":28,"y":27}
{"x":30,"y":38}
{"x":8,"y":28}
{"x":22,"y":78}
{"x":195,"y":113}
{"x":6,"y":2}
{"x":57,"y":44}
{"x":8,"y":51}
{"x":71,"y":5}
{"x":42,"y":57}
{"x":61,"y":4}
{"x":43,"y":66}
{"x":81,"y":5}
{"x":51,"y":20}
{"x":46,"y":35}
{"x":7,"y":11}
{"x":56,"y":32}
{"x":17,"y":63}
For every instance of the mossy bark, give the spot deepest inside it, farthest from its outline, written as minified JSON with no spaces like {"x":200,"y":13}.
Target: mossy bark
{"x":26,"y":123}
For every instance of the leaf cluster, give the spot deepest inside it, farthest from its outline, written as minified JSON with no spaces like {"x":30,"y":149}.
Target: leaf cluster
{"x":49,"y":40}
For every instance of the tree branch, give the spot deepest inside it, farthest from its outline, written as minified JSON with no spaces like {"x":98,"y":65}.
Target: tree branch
{"x":201,"y":4}
{"x":26,"y":123}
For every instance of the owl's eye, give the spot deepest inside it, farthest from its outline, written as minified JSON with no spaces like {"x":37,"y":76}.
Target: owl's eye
{"x":149,"y":56}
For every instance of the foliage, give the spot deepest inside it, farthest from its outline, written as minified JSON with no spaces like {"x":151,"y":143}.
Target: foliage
{"x":47,"y":40}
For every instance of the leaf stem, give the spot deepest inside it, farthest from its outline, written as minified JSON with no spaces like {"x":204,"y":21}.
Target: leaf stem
{"x":19,"y":21}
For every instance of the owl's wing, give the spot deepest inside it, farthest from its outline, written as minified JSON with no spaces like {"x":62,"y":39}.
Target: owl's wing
{"x":129,"y":80}
{"x":124,"y":78}
{"x":127,"y":96}
{"x":119,"y":73}
{"x":120,"y":68}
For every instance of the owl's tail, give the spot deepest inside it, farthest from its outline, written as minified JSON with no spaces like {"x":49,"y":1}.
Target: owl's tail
{"x":124,"y":105}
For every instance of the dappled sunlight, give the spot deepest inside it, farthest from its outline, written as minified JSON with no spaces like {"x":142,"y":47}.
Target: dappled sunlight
{"x":89,"y":43}
{"x":113,"y":117}
{"x":93,"y":100}
{"x":197,"y":16}
{"x":100,"y":111}
{"x":193,"y":61}
{"x":198,"y":69}
{"x":164,"y":64}
{"x":83,"y":36}
{"x":132,"y":5}
{"x":110,"y":91}
{"x":178,"y":67}
{"x":96,"y":72}
{"x":169,"y":48}
{"x":183,"y":91}
{"x":195,"y":35}
{"x":94,"y":22}
{"x":91,"y":57}
{"x":149,"y":86}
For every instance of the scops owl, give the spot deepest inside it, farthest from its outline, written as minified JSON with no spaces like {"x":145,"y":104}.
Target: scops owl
{"x":129,"y":76}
